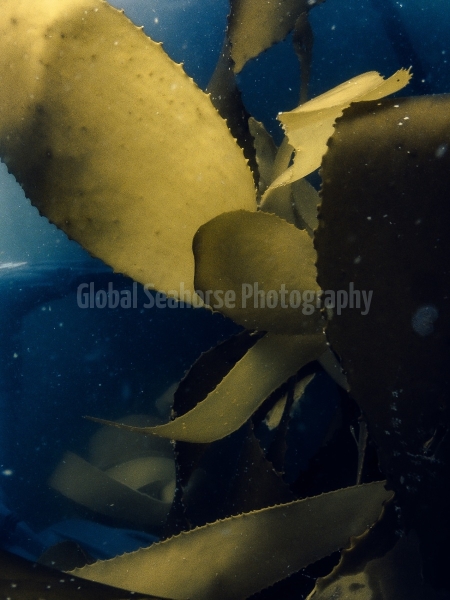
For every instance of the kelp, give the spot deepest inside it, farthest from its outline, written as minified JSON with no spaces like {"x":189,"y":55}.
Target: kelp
{"x":254,"y":27}
{"x":382,"y":226}
{"x":309,"y":126}
{"x":117,"y":146}
{"x":22,"y":580}
{"x":260,"y":272}
{"x":381,"y":564}
{"x":115,"y":493}
{"x":267,"y":365}
{"x":111,"y":195}
{"x":256,"y":549}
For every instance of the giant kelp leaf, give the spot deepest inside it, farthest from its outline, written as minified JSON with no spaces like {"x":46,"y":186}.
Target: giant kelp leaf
{"x":111,"y":140}
{"x":112,"y":496}
{"x":309,"y":126}
{"x":254,"y":26}
{"x":23,"y":580}
{"x":383,"y":225}
{"x":266,"y":366}
{"x":241,"y":555}
{"x":258,"y":270}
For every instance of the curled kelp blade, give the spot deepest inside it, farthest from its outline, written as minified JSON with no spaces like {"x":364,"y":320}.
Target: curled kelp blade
{"x":260,"y":271}
{"x":255,"y":26}
{"x":296,"y":203}
{"x":110,"y":447}
{"x":309,"y":126}
{"x":384,"y":230}
{"x":111,"y":140}
{"x":241,"y":555}
{"x":266,"y":366}
{"x":24,"y":580}
{"x":109,"y":493}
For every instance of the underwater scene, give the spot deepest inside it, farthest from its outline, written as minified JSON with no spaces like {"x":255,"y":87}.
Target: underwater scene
{"x":225,"y":289}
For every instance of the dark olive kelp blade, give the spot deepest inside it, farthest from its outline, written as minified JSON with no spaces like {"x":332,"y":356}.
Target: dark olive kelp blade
{"x":383,"y":225}
{"x":381,"y":564}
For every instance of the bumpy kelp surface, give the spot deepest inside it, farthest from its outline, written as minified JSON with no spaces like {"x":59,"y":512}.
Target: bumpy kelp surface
{"x":245,"y":553}
{"x":266,"y":366}
{"x":123,"y":151}
{"x":383,"y":226}
{"x":267,"y":265}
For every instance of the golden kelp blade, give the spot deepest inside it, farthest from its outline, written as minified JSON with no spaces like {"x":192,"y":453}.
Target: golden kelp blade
{"x":241,"y":555}
{"x":266,"y":366}
{"x":267,"y":264}
{"x":111,"y":140}
{"x":309,"y":126}
{"x":255,"y":26}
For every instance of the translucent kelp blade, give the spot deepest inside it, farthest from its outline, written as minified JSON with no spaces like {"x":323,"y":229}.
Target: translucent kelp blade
{"x":309,"y":126}
{"x":255,"y":26}
{"x":266,"y":366}
{"x":94,"y":489}
{"x":24,"y":580}
{"x":266,"y":152}
{"x":111,"y":140}
{"x":296,"y":203}
{"x":143,"y":471}
{"x":110,"y":447}
{"x":260,"y":271}
{"x":383,"y":225}
{"x":241,"y":555}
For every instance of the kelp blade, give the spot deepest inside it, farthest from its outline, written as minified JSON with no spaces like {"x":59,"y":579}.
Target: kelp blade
{"x":309,"y":126}
{"x":266,"y":366}
{"x":266,"y":265}
{"x":255,"y":26}
{"x":241,"y":555}
{"x":24,"y":580}
{"x":102,"y":493}
{"x":111,"y":140}
{"x":383,"y":224}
